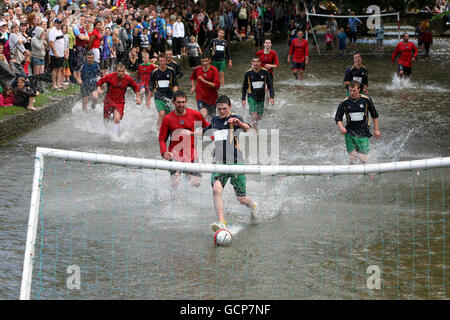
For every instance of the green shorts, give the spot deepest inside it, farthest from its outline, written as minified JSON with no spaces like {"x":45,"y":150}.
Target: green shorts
{"x":359,"y":144}
{"x":255,"y":106}
{"x":238,"y":181}
{"x":220,"y":65}
{"x":161,"y":105}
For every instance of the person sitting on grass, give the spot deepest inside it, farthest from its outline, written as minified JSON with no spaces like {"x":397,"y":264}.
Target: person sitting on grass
{"x":24,"y":96}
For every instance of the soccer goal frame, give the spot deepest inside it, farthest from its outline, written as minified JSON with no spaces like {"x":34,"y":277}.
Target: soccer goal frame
{"x":355,"y":16}
{"x":42,"y":153}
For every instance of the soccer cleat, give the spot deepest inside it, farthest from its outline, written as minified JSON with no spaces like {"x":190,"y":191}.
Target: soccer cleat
{"x":254,"y":209}
{"x":219,"y":225}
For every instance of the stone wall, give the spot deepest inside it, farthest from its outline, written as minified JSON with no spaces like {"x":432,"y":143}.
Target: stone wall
{"x":18,"y":124}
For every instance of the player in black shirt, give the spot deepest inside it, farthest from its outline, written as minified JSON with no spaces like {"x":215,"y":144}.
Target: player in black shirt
{"x":173,"y":64}
{"x":219,"y":50}
{"x":357,"y":72}
{"x":225,"y":128}
{"x":255,"y":81}
{"x":163,"y":82}
{"x":356,"y":108}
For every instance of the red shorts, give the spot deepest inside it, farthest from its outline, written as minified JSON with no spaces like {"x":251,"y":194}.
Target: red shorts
{"x":108,"y":109}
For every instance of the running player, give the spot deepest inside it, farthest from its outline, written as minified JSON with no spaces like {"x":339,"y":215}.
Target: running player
{"x":408,"y":53}
{"x":255,"y":81}
{"x":205,"y":83}
{"x":300,"y":55}
{"x":163,"y":82}
{"x":356,"y":109}
{"x":179,"y":125}
{"x":219,"y":50}
{"x":87,"y":77}
{"x":144,"y":72}
{"x":225,"y":128}
{"x":268,"y":57}
{"x":114,"y":103}
{"x":357,"y":72}
{"x":173,"y":64}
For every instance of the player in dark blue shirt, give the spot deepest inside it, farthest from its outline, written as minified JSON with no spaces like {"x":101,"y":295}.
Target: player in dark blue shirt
{"x":87,"y":77}
{"x":225,"y":129}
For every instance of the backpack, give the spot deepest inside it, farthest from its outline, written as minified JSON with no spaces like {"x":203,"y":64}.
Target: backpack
{"x":7,"y":51}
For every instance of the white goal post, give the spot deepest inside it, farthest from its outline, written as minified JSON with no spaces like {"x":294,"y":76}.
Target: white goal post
{"x":42,"y":153}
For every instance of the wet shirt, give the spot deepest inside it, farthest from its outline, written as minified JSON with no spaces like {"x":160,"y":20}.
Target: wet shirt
{"x":269,"y":58}
{"x":173,"y":122}
{"x":255,"y":85}
{"x":357,"y":115}
{"x":89,"y":74}
{"x":144,"y":73}
{"x":117,"y":87}
{"x":175,"y":66}
{"x":360,"y":75}
{"x":219,"y":49}
{"x":406,"y":51}
{"x":202,"y":91}
{"x":227,"y":149}
{"x":162,"y":83}
{"x":299,"y":50}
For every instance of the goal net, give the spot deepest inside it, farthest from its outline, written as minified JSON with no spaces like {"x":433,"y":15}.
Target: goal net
{"x":368,"y":28}
{"x":111,"y":227}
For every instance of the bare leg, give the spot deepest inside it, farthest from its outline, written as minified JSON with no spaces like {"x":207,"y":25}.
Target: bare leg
{"x":222,"y":78}
{"x":161,"y":116}
{"x":30,"y":104}
{"x":218,"y":202}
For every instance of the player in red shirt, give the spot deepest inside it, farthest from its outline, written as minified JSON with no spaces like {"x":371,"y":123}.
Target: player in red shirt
{"x":268,"y":58}
{"x":300,"y":52}
{"x":144,"y":72}
{"x":206,"y":83}
{"x":180,"y":125}
{"x":114,"y":103}
{"x":408,"y":53}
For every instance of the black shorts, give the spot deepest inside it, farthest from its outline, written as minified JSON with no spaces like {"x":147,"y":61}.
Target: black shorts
{"x":406,"y":70}
{"x":296,"y":65}
{"x":56,"y":63}
{"x":210,"y":108}
{"x":86,"y":91}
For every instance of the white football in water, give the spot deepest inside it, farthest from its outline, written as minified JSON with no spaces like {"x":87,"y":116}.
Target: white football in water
{"x":222,"y":237}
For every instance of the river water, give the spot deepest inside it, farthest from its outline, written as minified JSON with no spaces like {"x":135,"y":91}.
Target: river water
{"x":314,"y":237}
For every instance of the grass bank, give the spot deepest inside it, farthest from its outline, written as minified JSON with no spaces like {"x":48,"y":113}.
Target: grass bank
{"x":40,"y":100}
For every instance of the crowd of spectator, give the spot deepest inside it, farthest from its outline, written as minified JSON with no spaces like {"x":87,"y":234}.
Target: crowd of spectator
{"x":46,"y":41}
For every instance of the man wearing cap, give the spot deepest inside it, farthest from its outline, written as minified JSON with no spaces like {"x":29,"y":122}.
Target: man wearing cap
{"x":56,"y":43}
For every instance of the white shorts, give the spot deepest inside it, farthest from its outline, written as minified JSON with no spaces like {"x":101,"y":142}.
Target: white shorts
{"x":96,"y":52}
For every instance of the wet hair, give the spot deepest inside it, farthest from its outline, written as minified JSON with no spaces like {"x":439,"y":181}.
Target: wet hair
{"x":205,"y":56}
{"x":179,"y":93}
{"x":223,"y":100}
{"x":120,"y":65}
{"x":354,"y":84}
